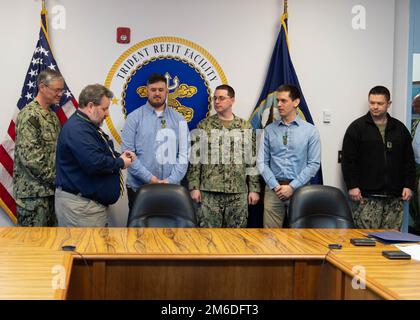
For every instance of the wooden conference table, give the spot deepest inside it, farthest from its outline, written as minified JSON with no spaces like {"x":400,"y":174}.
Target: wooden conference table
{"x":136,"y":263}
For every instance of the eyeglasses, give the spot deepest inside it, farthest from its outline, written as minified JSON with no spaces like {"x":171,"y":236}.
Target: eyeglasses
{"x":56,"y":91}
{"x":221,"y":98}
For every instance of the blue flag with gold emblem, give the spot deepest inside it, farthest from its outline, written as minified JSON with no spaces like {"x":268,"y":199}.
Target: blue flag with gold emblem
{"x":280,"y":71}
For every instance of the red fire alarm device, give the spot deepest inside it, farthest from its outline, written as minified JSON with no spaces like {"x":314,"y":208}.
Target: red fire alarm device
{"x":123,"y":35}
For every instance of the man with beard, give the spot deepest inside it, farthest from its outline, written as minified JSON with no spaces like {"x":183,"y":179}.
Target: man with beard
{"x":158,"y":135}
{"x":89,"y":176}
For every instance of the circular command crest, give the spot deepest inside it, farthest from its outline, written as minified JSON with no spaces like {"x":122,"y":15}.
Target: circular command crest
{"x":192,"y":75}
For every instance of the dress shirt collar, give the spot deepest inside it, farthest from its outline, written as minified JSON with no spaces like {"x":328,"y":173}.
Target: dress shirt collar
{"x":297,"y":121}
{"x":151,"y":109}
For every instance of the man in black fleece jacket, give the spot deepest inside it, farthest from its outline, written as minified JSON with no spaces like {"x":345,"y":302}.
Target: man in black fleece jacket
{"x":378,"y":165}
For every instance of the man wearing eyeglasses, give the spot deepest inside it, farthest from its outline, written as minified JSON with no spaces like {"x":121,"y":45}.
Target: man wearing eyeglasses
{"x":37,"y":129}
{"x":223,"y":177}
{"x":291,"y":156}
{"x":158,"y":135}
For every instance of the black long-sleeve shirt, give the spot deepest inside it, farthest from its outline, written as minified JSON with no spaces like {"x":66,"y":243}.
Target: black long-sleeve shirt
{"x":374,"y":165}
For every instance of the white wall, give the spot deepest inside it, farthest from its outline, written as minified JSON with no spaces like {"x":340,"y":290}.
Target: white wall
{"x":401,"y":109}
{"x":336,"y":65}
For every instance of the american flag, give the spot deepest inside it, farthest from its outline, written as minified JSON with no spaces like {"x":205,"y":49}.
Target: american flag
{"x":42,"y":59}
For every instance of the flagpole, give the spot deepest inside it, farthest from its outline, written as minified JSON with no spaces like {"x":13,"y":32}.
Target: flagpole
{"x":43,"y":5}
{"x":271,"y":113}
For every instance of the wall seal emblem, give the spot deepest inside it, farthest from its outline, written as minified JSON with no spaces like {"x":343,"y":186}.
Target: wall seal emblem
{"x":192,"y":74}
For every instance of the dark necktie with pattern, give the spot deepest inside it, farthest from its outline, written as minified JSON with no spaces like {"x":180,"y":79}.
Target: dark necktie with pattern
{"x":414,"y":126}
{"x":107,"y":141}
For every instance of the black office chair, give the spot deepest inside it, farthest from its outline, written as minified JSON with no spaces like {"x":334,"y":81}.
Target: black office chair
{"x":317,"y":206}
{"x":163,"y":206}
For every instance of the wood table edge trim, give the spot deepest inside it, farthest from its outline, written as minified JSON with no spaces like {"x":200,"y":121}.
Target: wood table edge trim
{"x":61,"y":294}
{"x":371,"y":284}
{"x":137,"y":256}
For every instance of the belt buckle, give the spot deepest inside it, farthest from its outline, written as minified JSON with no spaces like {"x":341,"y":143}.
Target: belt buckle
{"x":381,"y":196}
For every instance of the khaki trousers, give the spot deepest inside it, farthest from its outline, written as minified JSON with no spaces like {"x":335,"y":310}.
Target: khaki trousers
{"x":75,"y":211}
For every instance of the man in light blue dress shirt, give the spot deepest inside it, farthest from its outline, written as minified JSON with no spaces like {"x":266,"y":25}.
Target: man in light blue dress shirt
{"x":291,"y":156}
{"x":416,"y":139}
{"x":158,"y":135}
{"x":416,"y":149}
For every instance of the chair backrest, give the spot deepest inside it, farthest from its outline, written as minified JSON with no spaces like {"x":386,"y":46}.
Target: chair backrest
{"x":163,"y":205}
{"x":318,"y":206}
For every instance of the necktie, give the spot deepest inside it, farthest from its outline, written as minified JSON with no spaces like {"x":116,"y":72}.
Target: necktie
{"x":106,"y":139}
{"x":414,"y":126}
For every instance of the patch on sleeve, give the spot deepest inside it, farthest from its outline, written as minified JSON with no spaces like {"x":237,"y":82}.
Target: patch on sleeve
{"x":34,"y":121}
